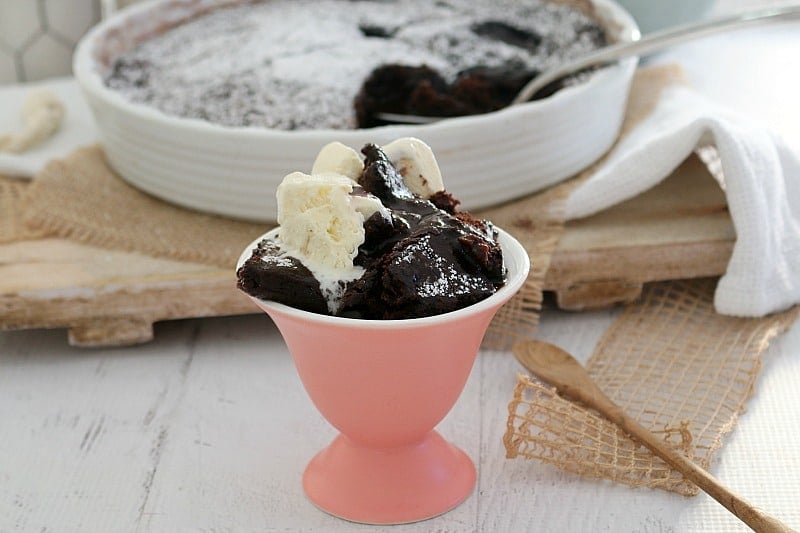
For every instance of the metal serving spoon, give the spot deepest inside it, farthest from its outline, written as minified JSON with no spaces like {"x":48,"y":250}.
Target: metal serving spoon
{"x":649,"y":43}
{"x":558,"y":368}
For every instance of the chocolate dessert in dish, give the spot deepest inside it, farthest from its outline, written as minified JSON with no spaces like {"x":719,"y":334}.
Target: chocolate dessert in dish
{"x":313,"y":64}
{"x":380,"y":239}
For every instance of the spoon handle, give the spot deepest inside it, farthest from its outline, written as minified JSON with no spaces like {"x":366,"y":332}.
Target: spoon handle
{"x":656,"y":41}
{"x":590,"y":394}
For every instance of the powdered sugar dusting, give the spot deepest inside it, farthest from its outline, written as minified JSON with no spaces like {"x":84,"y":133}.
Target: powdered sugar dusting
{"x":298,"y":64}
{"x":447,"y":281}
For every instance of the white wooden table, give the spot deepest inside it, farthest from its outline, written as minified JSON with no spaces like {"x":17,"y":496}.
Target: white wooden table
{"x":208,"y":427}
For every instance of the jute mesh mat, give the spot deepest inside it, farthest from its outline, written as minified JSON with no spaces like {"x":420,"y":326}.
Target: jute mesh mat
{"x":673,"y":364}
{"x":538,"y":232}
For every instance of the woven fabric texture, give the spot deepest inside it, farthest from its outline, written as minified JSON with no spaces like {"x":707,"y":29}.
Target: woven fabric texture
{"x":673,"y":364}
{"x":12,"y":227}
{"x":80,"y":198}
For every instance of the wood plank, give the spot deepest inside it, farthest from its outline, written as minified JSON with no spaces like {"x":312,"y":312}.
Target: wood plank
{"x":679,"y":229}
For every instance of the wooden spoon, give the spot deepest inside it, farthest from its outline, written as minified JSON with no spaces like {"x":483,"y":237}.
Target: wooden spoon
{"x":558,"y":368}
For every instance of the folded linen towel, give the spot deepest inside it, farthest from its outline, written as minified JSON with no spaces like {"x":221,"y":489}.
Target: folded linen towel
{"x":761,"y":183}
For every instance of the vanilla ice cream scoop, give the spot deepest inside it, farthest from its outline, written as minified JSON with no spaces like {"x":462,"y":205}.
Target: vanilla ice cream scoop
{"x":322,"y":214}
{"x":321,"y":220}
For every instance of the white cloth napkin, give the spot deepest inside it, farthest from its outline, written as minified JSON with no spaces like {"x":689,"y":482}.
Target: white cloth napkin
{"x":77,"y":129}
{"x":761,"y":183}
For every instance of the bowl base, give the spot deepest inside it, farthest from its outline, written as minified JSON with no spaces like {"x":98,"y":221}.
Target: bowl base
{"x":389,"y":485}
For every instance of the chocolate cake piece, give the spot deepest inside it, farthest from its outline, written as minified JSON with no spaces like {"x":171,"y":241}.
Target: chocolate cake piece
{"x":426,"y":274}
{"x":389,"y":88}
{"x":426,"y":261}
{"x":421,"y":91}
{"x":270,"y":274}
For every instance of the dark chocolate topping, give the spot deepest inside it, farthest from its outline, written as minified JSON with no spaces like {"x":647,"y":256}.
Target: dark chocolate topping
{"x":422,"y":261}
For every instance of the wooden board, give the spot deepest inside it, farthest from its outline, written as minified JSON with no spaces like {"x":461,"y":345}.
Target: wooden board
{"x":680,"y":229}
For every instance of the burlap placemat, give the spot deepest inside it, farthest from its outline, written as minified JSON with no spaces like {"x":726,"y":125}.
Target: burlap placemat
{"x":80,"y":198}
{"x":12,"y":227}
{"x":673,"y":364}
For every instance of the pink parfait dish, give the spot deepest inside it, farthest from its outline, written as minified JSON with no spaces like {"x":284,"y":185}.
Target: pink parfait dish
{"x":385,"y":385}
{"x":383,"y":291}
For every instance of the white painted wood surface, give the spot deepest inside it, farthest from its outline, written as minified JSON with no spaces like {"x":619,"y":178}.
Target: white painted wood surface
{"x":208,"y":428}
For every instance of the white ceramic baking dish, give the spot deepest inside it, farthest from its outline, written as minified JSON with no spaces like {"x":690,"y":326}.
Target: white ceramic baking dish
{"x":233,"y":171}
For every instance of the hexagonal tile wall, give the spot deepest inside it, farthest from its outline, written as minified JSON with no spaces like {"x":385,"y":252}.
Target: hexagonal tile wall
{"x":37,"y":37}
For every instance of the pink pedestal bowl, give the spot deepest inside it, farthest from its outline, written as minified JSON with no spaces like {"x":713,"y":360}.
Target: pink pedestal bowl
{"x":385,"y":385}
